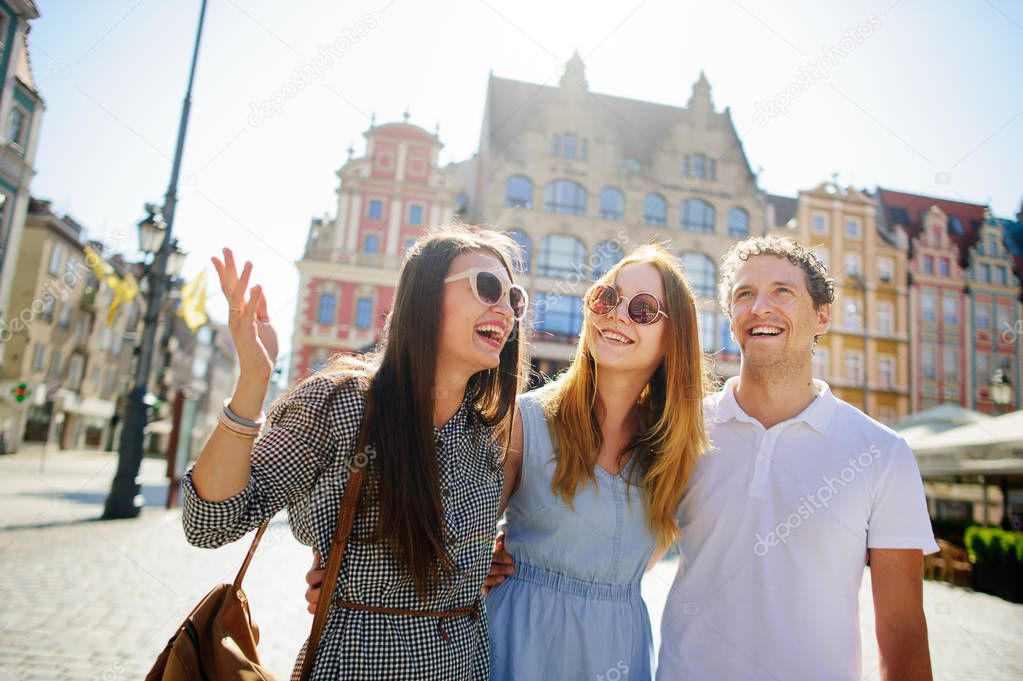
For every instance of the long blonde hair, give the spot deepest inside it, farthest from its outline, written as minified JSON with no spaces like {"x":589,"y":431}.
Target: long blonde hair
{"x":671,"y":433}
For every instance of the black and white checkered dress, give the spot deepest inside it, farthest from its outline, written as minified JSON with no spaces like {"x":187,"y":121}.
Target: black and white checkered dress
{"x":302,"y":461}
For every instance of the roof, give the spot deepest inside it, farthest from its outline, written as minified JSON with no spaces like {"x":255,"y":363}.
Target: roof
{"x":908,"y":211}
{"x":938,"y":419}
{"x":637,"y":127}
{"x":784,"y":208}
{"x":1001,"y":434}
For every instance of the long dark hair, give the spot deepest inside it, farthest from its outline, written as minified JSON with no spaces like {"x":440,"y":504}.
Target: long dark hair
{"x":400,"y":375}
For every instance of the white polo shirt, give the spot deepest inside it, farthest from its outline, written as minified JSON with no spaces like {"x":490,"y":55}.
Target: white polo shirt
{"x":776,"y":524}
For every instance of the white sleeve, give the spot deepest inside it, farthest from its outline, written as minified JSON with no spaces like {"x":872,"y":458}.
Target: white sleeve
{"x":898,"y":513}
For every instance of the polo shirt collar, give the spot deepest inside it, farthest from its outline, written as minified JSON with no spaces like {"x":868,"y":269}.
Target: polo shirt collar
{"x":817,"y":414}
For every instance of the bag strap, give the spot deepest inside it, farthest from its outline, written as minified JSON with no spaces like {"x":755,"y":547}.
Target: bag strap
{"x":342,"y":530}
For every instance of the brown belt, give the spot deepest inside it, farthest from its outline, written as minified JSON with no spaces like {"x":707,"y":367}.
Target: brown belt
{"x":441,"y":615}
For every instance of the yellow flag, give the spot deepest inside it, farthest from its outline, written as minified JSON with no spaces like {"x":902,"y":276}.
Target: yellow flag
{"x":193,"y":302}
{"x":125,"y":291}
{"x":101,"y":269}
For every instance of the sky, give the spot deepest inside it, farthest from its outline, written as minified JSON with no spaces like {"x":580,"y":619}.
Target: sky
{"x":918,"y":96}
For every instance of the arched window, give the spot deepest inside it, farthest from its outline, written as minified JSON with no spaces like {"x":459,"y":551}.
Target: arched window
{"x":558,"y":315}
{"x":697,"y":216}
{"x":371,"y":244}
{"x":655,"y":210}
{"x":701,"y":272}
{"x":738,"y":223}
{"x":566,"y":196}
{"x":612,"y":204}
{"x":518,"y":192}
{"x":522,"y":239}
{"x":558,"y":254}
{"x":604,"y":257}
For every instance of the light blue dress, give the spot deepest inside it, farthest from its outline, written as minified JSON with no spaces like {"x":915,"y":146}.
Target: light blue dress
{"x":573,"y":609}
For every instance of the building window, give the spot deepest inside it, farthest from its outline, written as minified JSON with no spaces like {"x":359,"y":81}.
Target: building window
{"x":728,"y":343}
{"x":521,"y":261}
{"x":376,"y":209}
{"x":928,"y":264}
{"x":697,"y":216}
{"x":48,"y":303}
{"x":699,"y":167}
{"x":364,"y":313}
{"x":409,"y":243}
{"x":612,"y":204}
{"x":885,"y":270}
{"x":55,"y":365}
{"x":701,"y":273}
{"x":738,"y":223}
{"x":820,"y":363}
{"x":824,"y":255}
{"x":75,"y":368}
{"x":569,"y":148}
{"x":928,"y":308}
{"x":415,"y":214}
{"x":556,"y":145}
{"x":371,"y":244}
{"x":886,"y":372}
{"x":325,"y":310}
{"x":655,"y":210}
{"x":950,"y":364}
{"x":949,"y":311}
{"x":39,"y":358}
{"x":566,"y":196}
{"x":886,"y":318}
{"x":983,"y":317}
{"x":559,"y":315}
{"x":820,"y":224}
{"x":927,"y":359}
{"x":57,"y":260}
{"x":1002,"y":323}
{"x":560,"y":254}
{"x":854,"y":314}
{"x":984,"y":273}
{"x":852,"y":229}
{"x":943,"y":269}
{"x":607,"y":254}
{"x":518,"y":192}
{"x":1001,"y":276}
{"x":854,"y":367}
{"x":853,"y":265}
{"x":17,"y":131}
{"x":707,"y":331}
{"x":64,"y":318}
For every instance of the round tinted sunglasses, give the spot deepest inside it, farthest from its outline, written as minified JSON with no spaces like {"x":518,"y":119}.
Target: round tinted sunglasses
{"x":490,"y":289}
{"x":643,"y":308}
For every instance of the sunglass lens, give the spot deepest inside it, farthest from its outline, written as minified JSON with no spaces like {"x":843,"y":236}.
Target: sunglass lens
{"x":643,"y":309}
{"x":489,"y":288}
{"x":603,"y":299}
{"x":517,"y":299}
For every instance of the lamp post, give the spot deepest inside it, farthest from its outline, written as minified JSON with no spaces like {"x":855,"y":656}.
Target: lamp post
{"x":125,"y":500}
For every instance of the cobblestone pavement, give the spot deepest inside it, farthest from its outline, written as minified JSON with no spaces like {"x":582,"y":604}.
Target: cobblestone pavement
{"x":89,"y":599}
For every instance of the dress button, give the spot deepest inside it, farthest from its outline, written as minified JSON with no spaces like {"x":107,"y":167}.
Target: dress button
{"x":445,"y":491}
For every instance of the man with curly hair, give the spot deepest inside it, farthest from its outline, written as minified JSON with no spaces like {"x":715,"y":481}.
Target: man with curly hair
{"x":800,"y":492}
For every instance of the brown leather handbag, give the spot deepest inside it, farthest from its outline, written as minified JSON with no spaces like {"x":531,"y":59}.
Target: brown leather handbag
{"x":217,"y":641}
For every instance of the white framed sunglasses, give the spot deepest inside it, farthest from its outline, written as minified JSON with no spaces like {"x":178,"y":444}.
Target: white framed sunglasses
{"x":490,"y":289}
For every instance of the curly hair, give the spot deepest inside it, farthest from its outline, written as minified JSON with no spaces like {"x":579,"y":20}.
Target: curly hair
{"x":820,"y":285}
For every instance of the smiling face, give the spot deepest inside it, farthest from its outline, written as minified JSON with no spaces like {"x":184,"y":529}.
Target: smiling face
{"x":614,"y":340}
{"x":472,"y":333}
{"x":772,"y":313}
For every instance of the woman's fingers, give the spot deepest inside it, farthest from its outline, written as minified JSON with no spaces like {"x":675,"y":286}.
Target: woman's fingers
{"x":229,"y":267}
{"x":261,"y":313}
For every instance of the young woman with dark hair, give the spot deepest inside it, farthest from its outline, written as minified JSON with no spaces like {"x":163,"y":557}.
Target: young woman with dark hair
{"x":441,"y":392}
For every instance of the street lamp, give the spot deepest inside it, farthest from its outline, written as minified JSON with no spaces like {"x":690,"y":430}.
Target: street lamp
{"x":1001,"y":389}
{"x":125,"y":500}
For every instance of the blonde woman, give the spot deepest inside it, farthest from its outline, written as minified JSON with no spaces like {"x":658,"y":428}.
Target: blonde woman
{"x":598,"y":462}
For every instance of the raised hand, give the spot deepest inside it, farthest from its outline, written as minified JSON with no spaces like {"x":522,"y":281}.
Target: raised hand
{"x":254,"y":337}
